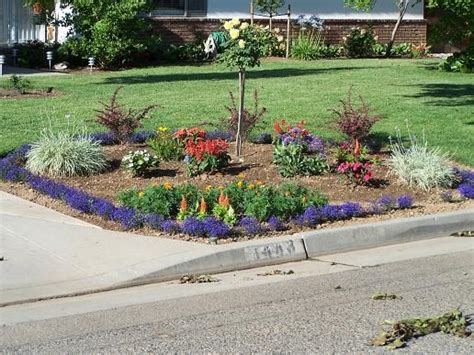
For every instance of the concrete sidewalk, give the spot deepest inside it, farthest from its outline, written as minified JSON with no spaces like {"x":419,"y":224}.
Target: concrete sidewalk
{"x":47,"y":254}
{"x":9,"y":70}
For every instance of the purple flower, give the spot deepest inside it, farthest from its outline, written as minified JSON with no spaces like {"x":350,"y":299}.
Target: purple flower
{"x":275,"y":224}
{"x":102,"y":208}
{"x":218,"y":134}
{"x":170,"y":226}
{"x":78,"y":200}
{"x":104,"y":138}
{"x":311,"y":216}
{"x":404,"y":201}
{"x":466,"y":190}
{"x":193,"y":226}
{"x":387,"y":203}
{"x":465,"y":176}
{"x":141,"y":136}
{"x":127,"y":217}
{"x":331,"y":212}
{"x":153,"y":220}
{"x":350,"y":209}
{"x":251,"y":225}
{"x":262,"y":138}
{"x":215,"y":228}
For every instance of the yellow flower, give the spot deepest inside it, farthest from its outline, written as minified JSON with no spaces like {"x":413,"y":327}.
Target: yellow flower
{"x":234,"y":34}
{"x":242,"y":44}
{"x":235,"y":21}
{"x":141,"y":194}
{"x":241,"y":176}
{"x":228,"y":25}
{"x":208,"y":187}
{"x":221,"y":187}
{"x":276,"y":30}
{"x":251,"y":186}
{"x":240,"y":184}
{"x":162,"y":129}
{"x":168,"y":185}
{"x":244,"y":25}
{"x":259,"y":183}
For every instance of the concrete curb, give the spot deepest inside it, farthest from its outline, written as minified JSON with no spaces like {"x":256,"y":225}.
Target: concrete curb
{"x":379,"y":234}
{"x":278,"y":250}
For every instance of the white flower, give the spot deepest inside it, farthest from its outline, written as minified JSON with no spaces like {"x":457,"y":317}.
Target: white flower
{"x":242,"y":44}
{"x":276,"y":30}
{"x":244,"y":25}
{"x":280,"y":38}
{"x":235,"y":21}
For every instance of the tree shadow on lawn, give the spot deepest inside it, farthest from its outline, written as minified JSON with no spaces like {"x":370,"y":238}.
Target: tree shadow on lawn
{"x":447,"y":94}
{"x":230,"y":75}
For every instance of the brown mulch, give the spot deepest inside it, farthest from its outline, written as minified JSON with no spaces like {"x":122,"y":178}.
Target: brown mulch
{"x":257,"y":165}
{"x":6,"y":93}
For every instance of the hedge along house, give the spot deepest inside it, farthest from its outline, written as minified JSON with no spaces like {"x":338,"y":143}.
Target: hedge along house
{"x":184,"y":21}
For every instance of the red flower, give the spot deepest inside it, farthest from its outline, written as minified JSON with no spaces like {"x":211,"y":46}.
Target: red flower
{"x":215,"y":147}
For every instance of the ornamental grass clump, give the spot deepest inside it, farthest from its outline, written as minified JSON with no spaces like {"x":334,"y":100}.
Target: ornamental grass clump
{"x":65,"y":154}
{"x":420,"y":166}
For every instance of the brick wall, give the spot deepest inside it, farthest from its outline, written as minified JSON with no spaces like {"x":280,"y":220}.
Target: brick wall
{"x":187,"y":30}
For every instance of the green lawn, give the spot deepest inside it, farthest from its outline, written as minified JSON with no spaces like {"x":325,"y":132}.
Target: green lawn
{"x":441,"y":104}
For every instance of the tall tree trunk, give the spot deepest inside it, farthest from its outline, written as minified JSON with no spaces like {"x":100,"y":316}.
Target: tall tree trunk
{"x":403,"y":7}
{"x":238,"y":136}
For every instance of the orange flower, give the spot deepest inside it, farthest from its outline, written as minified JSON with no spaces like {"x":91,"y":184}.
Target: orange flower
{"x":223,"y":200}
{"x":168,"y":185}
{"x":184,"y":204}
{"x":251,"y":186}
{"x":203,"y":206}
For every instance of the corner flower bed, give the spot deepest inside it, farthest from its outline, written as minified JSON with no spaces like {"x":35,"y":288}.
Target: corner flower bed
{"x":235,"y":207}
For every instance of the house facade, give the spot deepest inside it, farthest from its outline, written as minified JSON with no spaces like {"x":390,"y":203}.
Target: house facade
{"x":181,"y":21}
{"x":191,"y":20}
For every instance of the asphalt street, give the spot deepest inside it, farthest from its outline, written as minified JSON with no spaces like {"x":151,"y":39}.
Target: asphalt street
{"x":331,"y":312}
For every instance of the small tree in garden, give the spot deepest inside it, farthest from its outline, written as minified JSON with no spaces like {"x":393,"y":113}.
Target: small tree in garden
{"x":270,"y":7}
{"x":120,"y":121}
{"x":355,"y":122}
{"x":368,"y":5}
{"x":242,"y":50}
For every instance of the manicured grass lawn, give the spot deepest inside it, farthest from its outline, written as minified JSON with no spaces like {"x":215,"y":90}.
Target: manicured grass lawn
{"x":441,"y":104}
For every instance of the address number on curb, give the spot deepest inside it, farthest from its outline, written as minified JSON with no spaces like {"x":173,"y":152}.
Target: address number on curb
{"x":270,"y":251}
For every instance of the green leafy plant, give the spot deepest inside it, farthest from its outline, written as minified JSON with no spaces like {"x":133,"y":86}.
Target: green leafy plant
{"x":459,"y":62}
{"x":291,"y":160}
{"x":419,"y":165}
{"x":359,"y":43}
{"x":139,"y":162}
{"x":223,"y":202}
{"x":19,"y":83}
{"x":188,"y":52}
{"x":165,"y":145}
{"x":65,"y":154}
{"x":120,"y":121}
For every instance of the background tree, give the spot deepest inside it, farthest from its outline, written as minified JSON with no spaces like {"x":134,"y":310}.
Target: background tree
{"x":455,"y":23}
{"x":368,"y":5}
{"x":269,"y":7}
{"x":112,"y":31}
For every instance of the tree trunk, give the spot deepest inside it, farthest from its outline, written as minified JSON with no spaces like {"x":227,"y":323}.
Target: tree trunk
{"x":238,"y":136}
{"x":403,"y":6}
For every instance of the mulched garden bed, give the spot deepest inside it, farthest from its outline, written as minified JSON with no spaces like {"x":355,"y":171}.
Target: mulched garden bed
{"x":257,"y":166}
{"x":6,"y":93}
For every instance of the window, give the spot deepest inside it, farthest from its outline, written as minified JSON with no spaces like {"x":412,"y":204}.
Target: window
{"x":180,"y":7}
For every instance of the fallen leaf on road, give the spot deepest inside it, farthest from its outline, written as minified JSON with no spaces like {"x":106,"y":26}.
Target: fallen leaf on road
{"x":385,"y":296}
{"x":463,"y":234}
{"x":193,"y":279}
{"x":276,"y":272}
